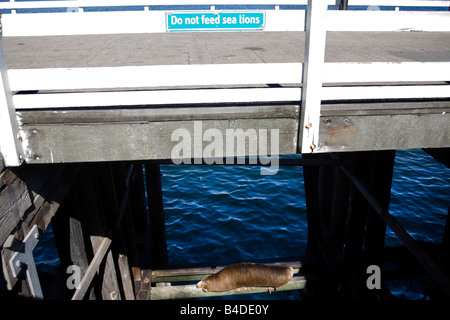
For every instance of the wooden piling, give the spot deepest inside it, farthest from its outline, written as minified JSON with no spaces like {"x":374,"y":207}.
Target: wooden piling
{"x":311,"y":178}
{"x":156,"y":212}
{"x":380,"y":184}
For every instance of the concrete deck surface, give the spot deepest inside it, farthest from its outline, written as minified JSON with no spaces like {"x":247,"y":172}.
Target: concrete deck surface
{"x":220,"y":47}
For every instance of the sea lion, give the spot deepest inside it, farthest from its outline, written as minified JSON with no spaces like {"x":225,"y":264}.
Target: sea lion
{"x":247,"y":274}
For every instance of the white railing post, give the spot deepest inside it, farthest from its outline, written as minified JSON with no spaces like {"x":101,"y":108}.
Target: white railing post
{"x":10,"y":140}
{"x":312,"y":75}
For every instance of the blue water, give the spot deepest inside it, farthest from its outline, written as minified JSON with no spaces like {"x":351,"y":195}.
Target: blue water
{"x":217,"y":214}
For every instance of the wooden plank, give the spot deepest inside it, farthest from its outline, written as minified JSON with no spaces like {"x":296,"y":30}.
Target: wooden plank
{"x":90,"y":23}
{"x":144,"y":115}
{"x":381,"y":182}
{"x":385,"y":92}
{"x":10,"y":144}
{"x":438,"y":275}
{"x":384,"y":132}
{"x":400,"y":3}
{"x":159,"y":255}
{"x":161,"y":274}
{"x":347,"y":20}
{"x":121,"y":3}
{"x":92,"y":269}
{"x":126,"y":277}
{"x":359,"y":72}
{"x":191,"y":291}
{"x":143,"y":141}
{"x":311,"y":182}
{"x":155,"y":97}
{"x":113,"y":3}
{"x":14,"y":201}
{"x":155,"y":76}
{"x":378,"y":108}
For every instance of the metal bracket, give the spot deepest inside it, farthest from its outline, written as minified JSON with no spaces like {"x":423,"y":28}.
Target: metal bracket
{"x":23,"y":258}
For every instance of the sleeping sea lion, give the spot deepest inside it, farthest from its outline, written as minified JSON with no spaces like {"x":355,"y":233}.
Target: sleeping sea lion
{"x":247,"y":274}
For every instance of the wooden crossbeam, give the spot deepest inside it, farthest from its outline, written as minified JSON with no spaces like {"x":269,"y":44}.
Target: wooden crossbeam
{"x":421,"y":255}
{"x":165,"y":290}
{"x":191,"y":291}
{"x":191,"y":274}
{"x":92,"y":269}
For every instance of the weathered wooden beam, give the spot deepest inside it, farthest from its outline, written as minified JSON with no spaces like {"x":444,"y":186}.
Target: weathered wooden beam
{"x":187,"y":274}
{"x":432,"y":268}
{"x":142,"y":141}
{"x":380,"y":184}
{"x":156,"y":213}
{"x":92,"y":269}
{"x":191,"y":291}
{"x":384,"y":132}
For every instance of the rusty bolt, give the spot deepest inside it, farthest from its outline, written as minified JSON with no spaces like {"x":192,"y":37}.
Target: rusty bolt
{"x":309,"y":126}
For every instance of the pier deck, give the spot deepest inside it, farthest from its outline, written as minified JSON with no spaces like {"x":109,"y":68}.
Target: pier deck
{"x":80,"y":86}
{"x":220,"y":48}
{"x":354,"y":125}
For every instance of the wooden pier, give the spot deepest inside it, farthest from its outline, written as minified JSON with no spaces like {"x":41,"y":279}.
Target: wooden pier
{"x":90,"y":109}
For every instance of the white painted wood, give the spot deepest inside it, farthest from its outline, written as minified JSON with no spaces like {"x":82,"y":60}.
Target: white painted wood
{"x":342,"y":20}
{"x":43,"y":24}
{"x":88,"y":23}
{"x":116,"y":3}
{"x":386,"y":72}
{"x":85,"y":23}
{"x":385,"y":92}
{"x":155,"y":76}
{"x":156,"y":97}
{"x":285,"y":20}
{"x":211,"y":96}
{"x":399,"y":3}
{"x":312,"y":75}
{"x":10,"y":145}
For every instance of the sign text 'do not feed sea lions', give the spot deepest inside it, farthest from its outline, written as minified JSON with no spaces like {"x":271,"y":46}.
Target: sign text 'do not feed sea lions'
{"x":246,"y":274}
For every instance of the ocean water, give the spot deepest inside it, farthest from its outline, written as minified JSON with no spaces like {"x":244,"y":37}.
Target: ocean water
{"x":217,"y":214}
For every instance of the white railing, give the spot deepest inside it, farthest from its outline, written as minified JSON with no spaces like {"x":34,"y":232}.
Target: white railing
{"x":397,"y":4}
{"x":312,"y":73}
{"x":146,"y":4}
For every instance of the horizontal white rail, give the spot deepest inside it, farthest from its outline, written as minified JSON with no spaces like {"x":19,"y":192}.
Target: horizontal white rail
{"x":355,"y":72}
{"x":154,"y":76}
{"x":221,"y":75}
{"x":123,"y":3}
{"x":127,"y":22}
{"x":385,"y":92}
{"x":387,"y":21}
{"x":88,"y":23}
{"x":222,"y":96}
{"x":156,"y":97}
{"x":399,"y":3}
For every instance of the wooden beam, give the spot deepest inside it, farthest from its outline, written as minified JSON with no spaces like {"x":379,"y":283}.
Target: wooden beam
{"x":187,"y":274}
{"x":92,"y":269}
{"x":191,"y":291}
{"x":156,"y":213}
{"x":436,"y":273}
